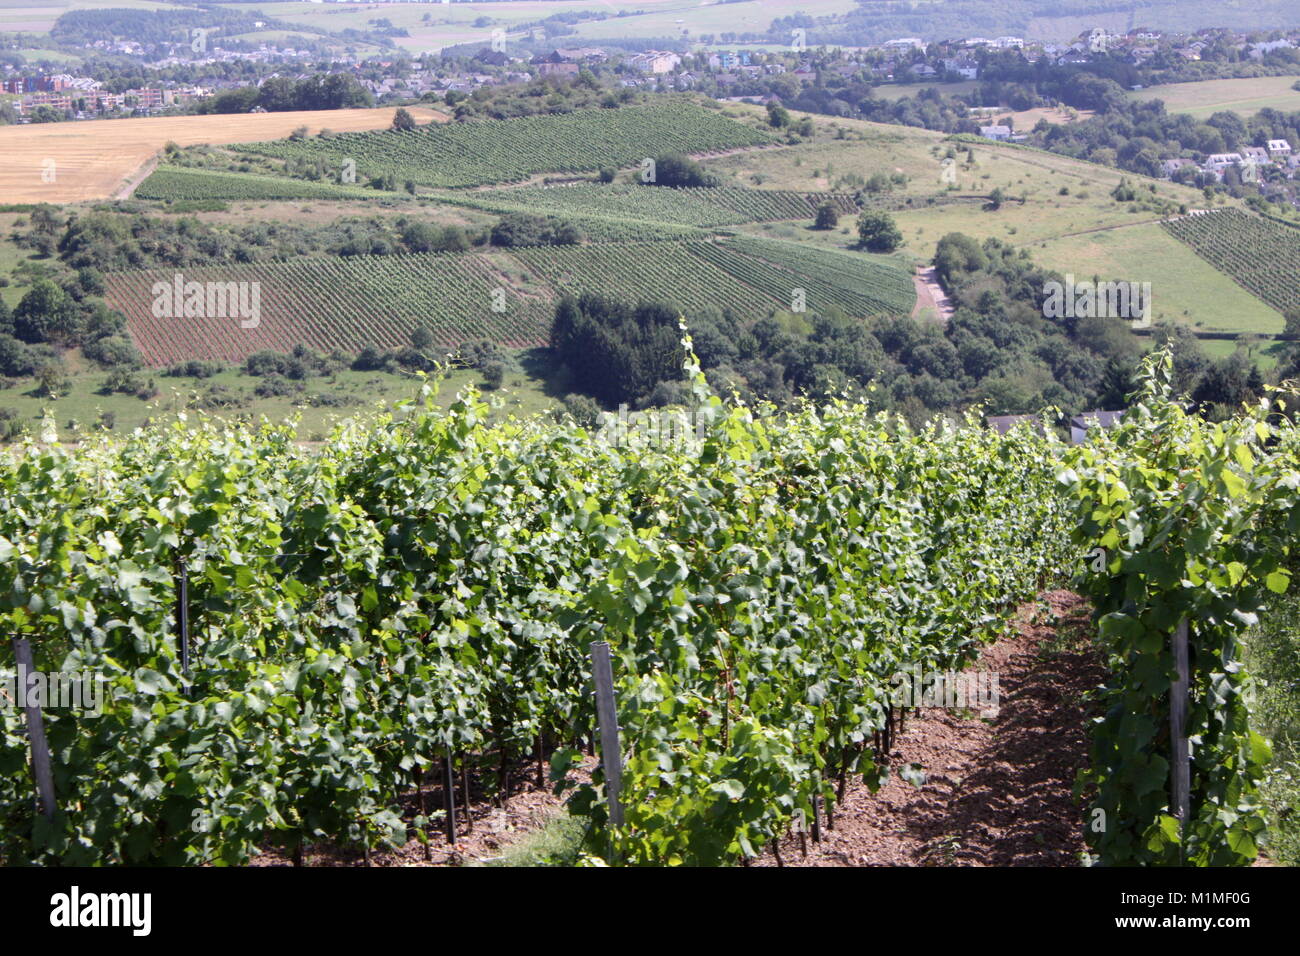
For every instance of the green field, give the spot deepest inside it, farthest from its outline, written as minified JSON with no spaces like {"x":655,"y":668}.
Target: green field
{"x":897,"y":91}
{"x":925,"y":208}
{"x":1206,"y":97}
{"x":50,"y":56}
{"x":229,"y":396}
{"x":1264,"y":353}
{"x":1260,"y":255}
{"x":1084,"y":232}
{"x":37,"y":16}
{"x":1183,"y":289}
{"x":453,"y":24}
{"x":748,"y":276}
{"x":747,"y":245}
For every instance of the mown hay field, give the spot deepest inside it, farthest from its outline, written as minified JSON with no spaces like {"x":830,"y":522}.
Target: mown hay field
{"x":93,"y":159}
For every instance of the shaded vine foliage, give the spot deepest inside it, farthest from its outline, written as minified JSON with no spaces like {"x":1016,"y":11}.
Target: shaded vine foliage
{"x":1195,"y":522}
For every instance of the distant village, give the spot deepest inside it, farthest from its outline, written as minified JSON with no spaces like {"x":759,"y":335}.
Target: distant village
{"x":83,"y":98}
{"x":1249,"y":165}
{"x":723,"y":73}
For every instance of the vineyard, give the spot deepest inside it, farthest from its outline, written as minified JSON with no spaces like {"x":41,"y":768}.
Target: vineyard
{"x":747,"y":275}
{"x":700,"y":206}
{"x":340,"y":303}
{"x":351,"y":303}
{"x":883,"y":286}
{"x":501,"y":151}
{"x":431,"y":587}
{"x":1261,"y":255}
{"x":172,"y":183}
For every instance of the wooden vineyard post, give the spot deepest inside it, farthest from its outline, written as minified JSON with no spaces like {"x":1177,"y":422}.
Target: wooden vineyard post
{"x":35,"y":728}
{"x":1181,"y":771}
{"x":183,"y":617}
{"x":541,"y":773}
{"x":464,"y":784}
{"x":449,"y":797}
{"x":607,"y":717}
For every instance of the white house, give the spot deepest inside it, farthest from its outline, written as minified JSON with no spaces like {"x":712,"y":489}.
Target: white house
{"x":966,"y":69}
{"x":998,"y":132}
{"x":1218,"y":162}
{"x":1279,"y":148}
{"x":654,"y":61}
{"x":1256,"y":156}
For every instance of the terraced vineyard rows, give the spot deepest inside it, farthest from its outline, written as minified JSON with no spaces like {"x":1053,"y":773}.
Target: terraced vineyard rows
{"x":752,"y":281}
{"x":499,"y":151}
{"x":718,"y":206}
{"x":860,"y":286}
{"x":1260,"y":255}
{"x":179,"y":183}
{"x":667,"y":271}
{"x":376,"y":301}
{"x":335,"y":304}
{"x":770,"y":205}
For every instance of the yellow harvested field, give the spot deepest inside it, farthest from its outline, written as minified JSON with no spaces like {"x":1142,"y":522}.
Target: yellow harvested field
{"x":78,"y":161}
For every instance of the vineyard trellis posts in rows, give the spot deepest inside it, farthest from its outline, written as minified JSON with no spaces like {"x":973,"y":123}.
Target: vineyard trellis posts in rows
{"x":40,"y":748}
{"x":183,"y":617}
{"x":449,"y":797}
{"x":607,"y":716}
{"x":1181,"y":769}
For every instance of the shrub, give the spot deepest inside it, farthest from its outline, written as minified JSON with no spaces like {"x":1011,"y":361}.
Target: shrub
{"x":273,"y":386}
{"x":194,"y":368}
{"x":583,"y":409}
{"x":674,"y":169}
{"x":128,"y":382}
{"x":521,"y":229}
{"x":421,"y":338}
{"x":266,"y":363}
{"x":15,"y":357}
{"x":50,"y":381}
{"x":11,"y":426}
{"x":113,"y":351}
{"x":878,"y":232}
{"x":403,"y":120}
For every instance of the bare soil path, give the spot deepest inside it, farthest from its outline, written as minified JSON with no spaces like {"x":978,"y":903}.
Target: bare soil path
{"x":998,"y":791}
{"x":930,"y":295}
{"x":132,"y":182}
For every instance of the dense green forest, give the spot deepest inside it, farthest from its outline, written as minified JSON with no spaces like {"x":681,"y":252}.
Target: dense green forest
{"x":998,"y":349}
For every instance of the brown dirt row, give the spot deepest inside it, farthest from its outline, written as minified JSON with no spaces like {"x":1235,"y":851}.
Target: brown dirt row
{"x":997,"y":791}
